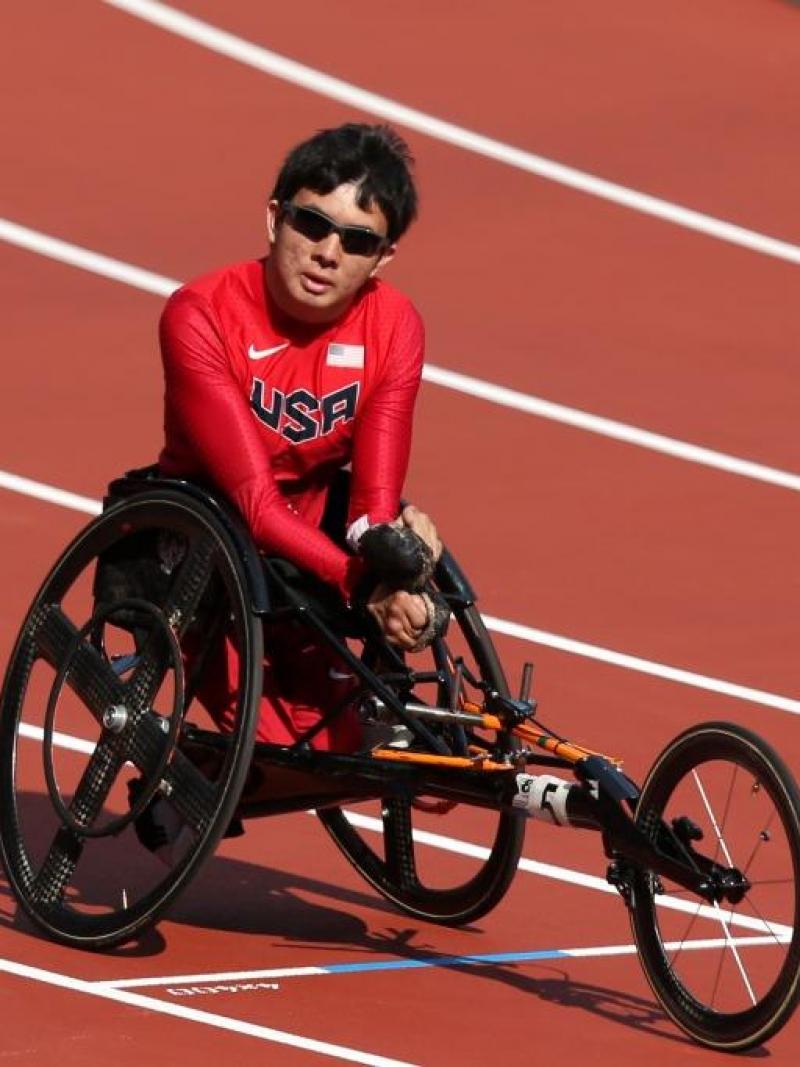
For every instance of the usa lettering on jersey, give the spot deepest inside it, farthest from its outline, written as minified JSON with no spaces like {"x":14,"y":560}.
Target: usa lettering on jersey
{"x":300,"y":416}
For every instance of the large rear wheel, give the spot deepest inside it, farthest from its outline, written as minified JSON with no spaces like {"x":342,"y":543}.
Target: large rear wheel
{"x":92,"y":717}
{"x":441,"y":864}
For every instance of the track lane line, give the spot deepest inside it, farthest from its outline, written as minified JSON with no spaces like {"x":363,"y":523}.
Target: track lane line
{"x":640,"y":666}
{"x":572,"y":877}
{"x":205,"y":1018}
{"x":610,"y":428}
{"x":96,"y":263}
{"x":487,"y":959}
{"x":50,"y":494}
{"x":529,"y":634}
{"x":73,"y":255}
{"x":266,"y":61}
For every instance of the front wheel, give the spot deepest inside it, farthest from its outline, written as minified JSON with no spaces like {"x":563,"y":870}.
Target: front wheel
{"x":727,"y":974}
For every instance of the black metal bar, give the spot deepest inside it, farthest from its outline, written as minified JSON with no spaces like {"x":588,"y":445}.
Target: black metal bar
{"x":526,"y":683}
{"x":373,"y":682}
{"x":332,"y":779}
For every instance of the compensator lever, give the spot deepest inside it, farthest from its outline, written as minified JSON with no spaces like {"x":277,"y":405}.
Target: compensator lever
{"x":526,"y":683}
{"x":511,"y":711}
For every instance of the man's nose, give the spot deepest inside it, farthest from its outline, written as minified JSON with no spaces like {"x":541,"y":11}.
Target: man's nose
{"x":329,"y":249}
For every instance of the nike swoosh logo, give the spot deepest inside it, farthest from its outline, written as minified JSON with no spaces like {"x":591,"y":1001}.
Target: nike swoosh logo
{"x":339,"y":676}
{"x":262,"y":353}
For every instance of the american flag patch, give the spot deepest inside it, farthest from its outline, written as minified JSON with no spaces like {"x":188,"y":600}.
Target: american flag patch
{"x":345,"y":355}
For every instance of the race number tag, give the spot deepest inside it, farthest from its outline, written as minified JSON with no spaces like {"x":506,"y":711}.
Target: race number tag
{"x":542,"y":796}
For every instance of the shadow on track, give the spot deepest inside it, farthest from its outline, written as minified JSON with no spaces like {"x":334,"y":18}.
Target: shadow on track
{"x":271,"y":902}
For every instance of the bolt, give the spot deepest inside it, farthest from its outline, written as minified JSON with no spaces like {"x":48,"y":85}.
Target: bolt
{"x":115,"y":718}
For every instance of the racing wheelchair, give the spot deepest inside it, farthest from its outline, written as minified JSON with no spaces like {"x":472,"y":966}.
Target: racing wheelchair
{"x":100,"y":721}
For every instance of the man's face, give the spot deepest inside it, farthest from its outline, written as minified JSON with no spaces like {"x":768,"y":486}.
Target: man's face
{"x":316,"y":280}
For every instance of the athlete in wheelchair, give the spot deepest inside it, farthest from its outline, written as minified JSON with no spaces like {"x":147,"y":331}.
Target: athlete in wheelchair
{"x":246,"y":631}
{"x":228,"y":578}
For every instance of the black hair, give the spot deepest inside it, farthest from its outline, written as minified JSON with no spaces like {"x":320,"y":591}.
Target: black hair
{"x":376,"y":158}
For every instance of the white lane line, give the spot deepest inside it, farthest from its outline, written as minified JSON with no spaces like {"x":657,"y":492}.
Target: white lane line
{"x":85,"y":259}
{"x":214,"y":976}
{"x":269,"y":62}
{"x":604,"y":427}
{"x":566,"y":874}
{"x":60,"y":740}
{"x":205,"y":1018}
{"x":513,"y":959}
{"x":642,"y":666}
{"x":49,"y":493}
{"x":502,"y":626}
{"x":117,"y":270}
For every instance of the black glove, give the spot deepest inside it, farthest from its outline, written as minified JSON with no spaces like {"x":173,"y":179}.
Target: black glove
{"x":400,"y":559}
{"x":397,"y":557}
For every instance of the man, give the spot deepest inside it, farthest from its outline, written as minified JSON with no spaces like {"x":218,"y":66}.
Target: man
{"x":281,"y":371}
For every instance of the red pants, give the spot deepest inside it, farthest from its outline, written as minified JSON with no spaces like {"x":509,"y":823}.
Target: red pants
{"x":303,"y":679}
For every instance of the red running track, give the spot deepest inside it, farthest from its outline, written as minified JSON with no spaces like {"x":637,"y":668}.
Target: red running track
{"x":134,"y":143}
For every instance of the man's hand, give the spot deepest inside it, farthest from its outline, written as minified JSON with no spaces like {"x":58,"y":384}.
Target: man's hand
{"x":423,"y":527}
{"x":400,"y":616}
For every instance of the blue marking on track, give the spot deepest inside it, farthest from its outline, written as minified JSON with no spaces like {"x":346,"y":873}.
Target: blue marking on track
{"x":447,"y":961}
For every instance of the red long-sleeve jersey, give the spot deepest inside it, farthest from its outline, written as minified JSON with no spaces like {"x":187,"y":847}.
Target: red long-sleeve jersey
{"x":267,"y":409}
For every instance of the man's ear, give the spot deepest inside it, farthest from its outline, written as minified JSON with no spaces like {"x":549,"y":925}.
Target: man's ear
{"x":273,"y":211}
{"x":386,"y":257}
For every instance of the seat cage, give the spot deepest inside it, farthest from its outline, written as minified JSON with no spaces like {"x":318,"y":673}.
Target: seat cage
{"x":450,"y":578}
{"x":145,"y":479}
{"x":274,"y":599}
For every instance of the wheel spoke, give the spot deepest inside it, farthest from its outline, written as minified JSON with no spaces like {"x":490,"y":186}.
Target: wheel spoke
{"x":149,"y":673}
{"x":47,"y":888}
{"x":190,"y":583}
{"x":97,"y":780}
{"x":712,"y":817}
{"x":718,"y":826}
{"x":145,"y":740}
{"x":178,"y":609}
{"x":90,"y":676}
{"x":685,"y":937}
{"x":724,"y":820}
{"x":91,"y":792}
{"x":730,"y":944}
{"x":193,"y":796}
{"x":776,"y":930}
{"x":398,"y":842}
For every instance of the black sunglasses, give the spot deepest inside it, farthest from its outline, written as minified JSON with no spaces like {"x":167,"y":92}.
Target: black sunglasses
{"x":313,"y":224}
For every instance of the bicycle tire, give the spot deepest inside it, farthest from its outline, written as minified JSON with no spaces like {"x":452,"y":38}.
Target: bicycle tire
{"x":753,"y":982}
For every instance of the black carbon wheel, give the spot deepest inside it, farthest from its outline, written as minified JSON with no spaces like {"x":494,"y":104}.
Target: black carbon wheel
{"x":728,"y":974}
{"x":421,"y":864}
{"x":92,"y":711}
